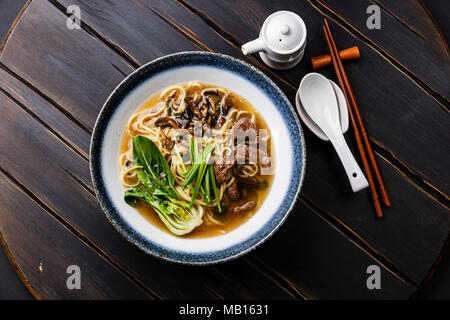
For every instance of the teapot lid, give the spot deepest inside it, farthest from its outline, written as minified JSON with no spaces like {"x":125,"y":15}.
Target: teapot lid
{"x":284,"y":32}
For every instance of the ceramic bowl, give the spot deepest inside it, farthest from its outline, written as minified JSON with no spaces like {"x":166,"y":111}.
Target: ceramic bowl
{"x":212,"y":68}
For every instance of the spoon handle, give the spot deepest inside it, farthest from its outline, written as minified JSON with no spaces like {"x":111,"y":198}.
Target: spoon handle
{"x":355,"y":176}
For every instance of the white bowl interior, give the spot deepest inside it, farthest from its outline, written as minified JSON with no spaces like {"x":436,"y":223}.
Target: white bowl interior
{"x":257,"y":97}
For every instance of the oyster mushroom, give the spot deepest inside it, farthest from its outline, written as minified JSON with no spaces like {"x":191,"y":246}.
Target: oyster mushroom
{"x":166,"y":121}
{"x":174,"y":97}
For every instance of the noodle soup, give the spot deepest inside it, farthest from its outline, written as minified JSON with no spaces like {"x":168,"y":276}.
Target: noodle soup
{"x":227,"y":187}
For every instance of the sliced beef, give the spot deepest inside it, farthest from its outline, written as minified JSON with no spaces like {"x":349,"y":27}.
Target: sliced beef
{"x":245,"y":124}
{"x":244,"y":153}
{"x":244,"y":128}
{"x":231,"y":194}
{"x":246,"y":179}
{"x":245,"y":207}
{"x":233,"y":191}
{"x":222,"y":168}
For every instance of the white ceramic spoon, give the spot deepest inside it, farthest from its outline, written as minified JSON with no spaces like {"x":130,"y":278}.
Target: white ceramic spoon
{"x":319,"y":101}
{"x":343,"y":113}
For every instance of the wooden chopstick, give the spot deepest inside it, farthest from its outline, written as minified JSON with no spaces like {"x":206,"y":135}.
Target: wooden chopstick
{"x":336,"y":59}
{"x":359,"y":121}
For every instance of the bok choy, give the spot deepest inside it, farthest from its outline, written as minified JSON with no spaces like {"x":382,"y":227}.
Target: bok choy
{"x":198,"y":170}
{"x":176,"y":215}
{"x":156,"y":171}
{"x":157,"y":189}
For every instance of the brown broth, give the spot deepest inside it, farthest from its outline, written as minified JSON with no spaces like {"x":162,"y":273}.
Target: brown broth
{"x":229,"y":219}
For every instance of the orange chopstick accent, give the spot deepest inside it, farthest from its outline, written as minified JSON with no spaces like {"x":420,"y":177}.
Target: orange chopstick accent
{"x":336,"y":59}
{"x":325,"y":60}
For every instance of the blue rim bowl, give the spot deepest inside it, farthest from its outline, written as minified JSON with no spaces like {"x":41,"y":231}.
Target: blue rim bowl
{"x":243,"y":69}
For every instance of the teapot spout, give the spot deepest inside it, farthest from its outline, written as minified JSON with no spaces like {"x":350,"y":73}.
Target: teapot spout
{"x":256,"y":45}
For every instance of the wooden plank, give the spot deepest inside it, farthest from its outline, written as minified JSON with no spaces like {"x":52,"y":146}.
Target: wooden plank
{"x":408,"y":115}
{"x":411,"y":234}
{"x":100,"y":19}
{"x":236,"y":274}
{"x":43,"y":249}
{"x":394,"y":108}
{"x":237,"y":279}
{"x":33,"y":41}
{"x":11,"y":286}
{"x":331,"y":280}
{"x":155,"y":38}
{"x":324,"y":184}
{"x":407,"y":34}
{"x":413,"y":14}
{"x":58,"y":121}
{"x":85,"y":178}
{"x":67,"y":193}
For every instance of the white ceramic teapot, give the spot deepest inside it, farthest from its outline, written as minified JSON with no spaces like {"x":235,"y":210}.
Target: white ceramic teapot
{"x":282,"y":40}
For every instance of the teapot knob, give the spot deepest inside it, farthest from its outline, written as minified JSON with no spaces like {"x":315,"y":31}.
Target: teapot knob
{"x":285,"y":29}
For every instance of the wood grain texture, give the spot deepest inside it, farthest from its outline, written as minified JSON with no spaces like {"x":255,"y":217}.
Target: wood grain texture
{"x":12,"y":286}
{"x":200,"y":35}
{"x":68,"y":193}
{"x":266,"y":273}
{"x":304,"y":256}
{"x":330,"y":194}
{"x":394,"y":108}
{"x":10,"y":11}
{"x":237,"y":279}
{"x":39,"y":38}
{"x":192,"y":26}
{"x":35,"y":239}
{"x":112,"y":20}
{"x":232,"y":280}
{"x":58,"y":121}
{"x":407,"y":34}
{"x":43,"y":248}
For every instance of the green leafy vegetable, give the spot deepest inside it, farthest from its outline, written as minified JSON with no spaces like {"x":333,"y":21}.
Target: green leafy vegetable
{"x":206,"y":182}
{"x":180,"y":158}
{"x":157,"y":189}
{"x":176,"y":215}
{"x":213,"y":182}
{"x":194,"y":150}
{"x":198,"y":171}
{"x":156,"y":172}
{"x":157,"y":184}
{"x":199,"y":162}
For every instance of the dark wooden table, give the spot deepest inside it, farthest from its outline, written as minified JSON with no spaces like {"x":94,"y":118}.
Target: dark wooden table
{"x":53,"y":82}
